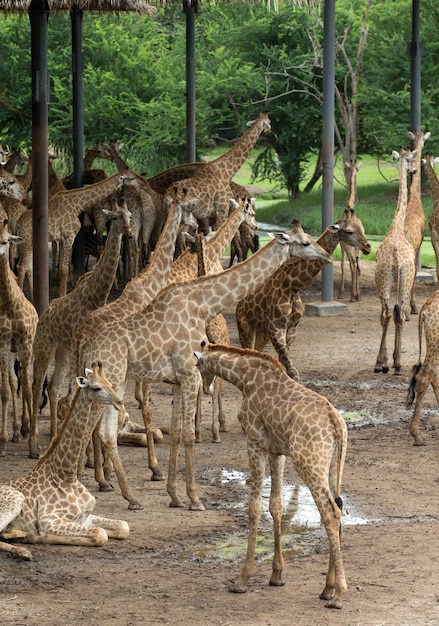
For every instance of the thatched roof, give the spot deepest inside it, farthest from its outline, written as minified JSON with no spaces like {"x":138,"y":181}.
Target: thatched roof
{"x":96,"y":6}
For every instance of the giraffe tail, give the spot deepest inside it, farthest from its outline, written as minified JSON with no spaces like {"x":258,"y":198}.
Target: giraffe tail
{"x":411,"y":393}
{"x":397,"y":318}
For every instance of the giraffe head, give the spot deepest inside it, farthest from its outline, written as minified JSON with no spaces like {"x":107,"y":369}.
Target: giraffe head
{"x":430,"y":160}
{"x":408,"y":156}
{"x":5,"y":236}
{"x":9,"y":186}
{"x":301,"y":244}
{"x":121,"y":216}
{"x":97,"y":388}
{"x":263,"y":121}
{"x":350,"y":232}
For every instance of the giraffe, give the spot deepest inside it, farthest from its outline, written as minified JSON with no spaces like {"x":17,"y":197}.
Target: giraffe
{"x":425,"y":372}
{"x":146,"y":206}
{"x":350,"y":252}
{"x":137,"y":294}
{"x":49,"y":505}
{"x":57,"y":325}
{"x":90,"y":175}
{"x":14,"y":159}
{"x":395,"y":263}
{"x":300,"y":424}
{"x":64,"y":224}
{"x":244,"y":240}
{"x":157,"y":342}
{"x":10,"y":186}
{"x":430,"y":163}
{"x":206,"y":193}
{"x":18,"y":322}
{"x":415,"y":222}
{"x":274,"y":311}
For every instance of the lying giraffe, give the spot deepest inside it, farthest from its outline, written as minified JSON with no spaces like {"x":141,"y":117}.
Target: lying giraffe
{"x":300,"y":424}
{"x":49,"y":505}
{"x":274,"y":310}
{"x":425,"y":372}
{"x":57,"y":325}
{"x":395,"y":263}
{"x":157,"y":342}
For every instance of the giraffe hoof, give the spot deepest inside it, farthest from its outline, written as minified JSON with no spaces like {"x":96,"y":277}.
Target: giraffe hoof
{"x":135,"y":506}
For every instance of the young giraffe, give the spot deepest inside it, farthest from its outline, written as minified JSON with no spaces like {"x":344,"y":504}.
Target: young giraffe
{"x":208,"y":191}
{"x":157,"y":342}
{"x":144,"y":207}
{"x":273,"y":312}
{"x":428,"y":371}
{"x":352,"y":253}
{"x":430,"y":163}
{"x":137,"y":294}
{"x":284,"y":419}
{"x":64,"y":224}
{"x":50,"y":505}
{"x":57,"y":325}
{"x":18,"y":321}
{"x":395,"y":263}
{"x":415,"y":222}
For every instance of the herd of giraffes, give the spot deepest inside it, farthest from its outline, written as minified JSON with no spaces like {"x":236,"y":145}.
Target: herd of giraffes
{"x":167,"y":325}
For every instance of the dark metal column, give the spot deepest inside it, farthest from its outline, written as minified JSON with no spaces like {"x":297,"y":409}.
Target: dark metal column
{"x":190,"y":7}
{"x":328,"y":136}
{"x":78,"y":127}
{"x":39,"y":17}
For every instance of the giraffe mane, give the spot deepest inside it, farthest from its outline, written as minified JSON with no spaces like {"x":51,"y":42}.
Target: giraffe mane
{"x":264,"y":356}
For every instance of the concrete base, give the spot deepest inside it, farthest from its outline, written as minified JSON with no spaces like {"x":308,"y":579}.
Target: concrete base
{"x":325,"y":309}
{"x":424,"y":276}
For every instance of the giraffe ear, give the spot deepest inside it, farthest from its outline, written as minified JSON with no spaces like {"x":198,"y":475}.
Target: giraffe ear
{"x":81,"y":381}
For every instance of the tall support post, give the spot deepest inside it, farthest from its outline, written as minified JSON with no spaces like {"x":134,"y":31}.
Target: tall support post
{"x":328,"y":135}
{"x":39,"y":17}
{"x":190,"y":8}
{"x":76,"y":14}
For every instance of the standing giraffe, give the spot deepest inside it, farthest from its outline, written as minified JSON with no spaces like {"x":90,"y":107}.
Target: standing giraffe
{"x":282,"y":418}
{"x":428,"y":371}
{"x":63,"y":224}
{"x":57,"y":325}
{"x":395,"y":263}
{"x":352,"y":253}
{"x":18,"y":322}
{"x":157,"y":343}
{"x":273,"y":311}
{"x":10,"y":186}
{"x":50,"y":505}
{"x":137,"y":294}
{"x":208,"y":191}
{"x":415,"y":222}
{"x":430,"y":163}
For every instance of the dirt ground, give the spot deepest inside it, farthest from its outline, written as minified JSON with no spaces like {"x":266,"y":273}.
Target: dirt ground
{"x":177,"y":565}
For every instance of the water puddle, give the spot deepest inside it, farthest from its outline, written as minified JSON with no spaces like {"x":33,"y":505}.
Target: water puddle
{"x":301,"y":525}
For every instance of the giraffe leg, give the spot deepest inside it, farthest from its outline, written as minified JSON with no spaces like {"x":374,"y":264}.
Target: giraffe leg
{"x":381,"y":364}
{"x":257,"y":461}
{"x":13,"y":385}
{"x":422,"y":380}
{"x":279,"y":344}
{"x":190,"y":387}
{"x":153,"y":463}
{"x":62,"y":359}
{"x":335,"y":580}
{"x":354,"y":279}
{"x":276,"y":507}
{"x":5,"y":397}
{"x":399,"y":318}
{"x":174,"y":438}
{"x":342,"y":269}
{"x":11,"y":503}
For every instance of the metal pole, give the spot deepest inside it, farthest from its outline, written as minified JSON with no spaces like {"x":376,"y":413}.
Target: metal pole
{"x":39,"y":17}
{"x":190,"y":8}
{"x":328,"y":135}
{"x":78,"y":252}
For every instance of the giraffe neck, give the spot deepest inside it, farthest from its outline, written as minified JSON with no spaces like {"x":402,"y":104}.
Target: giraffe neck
{"x":64,"y":452}
{"x":415,"y":185}
{"x":7,"y":280}
{"x":401,"y":208}
{"x":122,"y":166}
{"x":89,"y":158}
{"x":352,"y":191}
{"x":228,"y":164}
{"x":218,"y":292}
{"x":434,"y":182}
{"x":75,"y":201}
{"x":222,"y":237}
{"x":229,"y":366}
{"x":101,"y":278}
{"x":154,"y":277}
